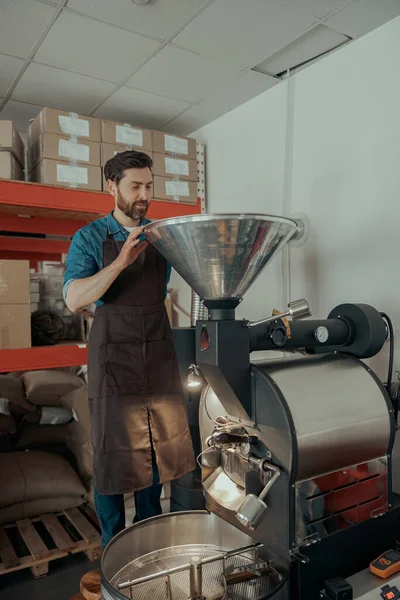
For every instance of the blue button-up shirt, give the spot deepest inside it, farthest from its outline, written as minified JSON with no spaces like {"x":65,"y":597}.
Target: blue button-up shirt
{"x":85,"y":256}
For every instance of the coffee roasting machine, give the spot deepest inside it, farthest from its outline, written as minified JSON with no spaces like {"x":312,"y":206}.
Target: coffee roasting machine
{"x":296,"y":450}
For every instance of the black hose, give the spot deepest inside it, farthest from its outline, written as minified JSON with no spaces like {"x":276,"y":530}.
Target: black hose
{"x":396,"y":405}
{"x":280,"y":585}
{"x":391,"y":351}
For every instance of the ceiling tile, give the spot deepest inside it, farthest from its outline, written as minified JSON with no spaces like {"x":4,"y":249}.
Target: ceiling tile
{"x":230,"y":96}
{"x":21,"y":23}
{"x":20,"y":113}
{"x":364,"y":15}
{"x":47,"y":86}
{"x":319,"y":8}
{"x":312,"y":44}
{"x":242,"y":34}
{"x":92,"y":48}
{"x":9,"y":69}
{"x":140,"y":108}
{"x":182,"y":75}
{"x":160,"y":18}
{"x":191,"y":120}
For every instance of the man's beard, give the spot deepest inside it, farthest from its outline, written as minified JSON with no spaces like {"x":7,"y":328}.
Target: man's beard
{"x":132,"y":210}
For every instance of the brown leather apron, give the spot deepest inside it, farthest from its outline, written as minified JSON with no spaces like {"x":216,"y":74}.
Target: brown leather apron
{"x":135,"y":393}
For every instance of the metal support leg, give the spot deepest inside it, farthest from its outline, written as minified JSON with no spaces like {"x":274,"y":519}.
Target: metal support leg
{"x":195,"y":578}
{"x":168,"y":588}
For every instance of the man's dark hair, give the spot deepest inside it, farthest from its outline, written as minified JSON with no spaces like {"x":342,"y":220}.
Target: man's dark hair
{"x":114,"y":168}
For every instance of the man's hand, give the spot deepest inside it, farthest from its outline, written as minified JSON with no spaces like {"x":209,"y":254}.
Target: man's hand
{"x":83,"y":292}
{"x":131,"y":249}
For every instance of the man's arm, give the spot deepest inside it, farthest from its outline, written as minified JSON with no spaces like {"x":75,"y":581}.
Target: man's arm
{"x":85,"y":291}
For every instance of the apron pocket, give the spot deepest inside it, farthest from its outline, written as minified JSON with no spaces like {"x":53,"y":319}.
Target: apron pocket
{"x":124,"y":369}
{"x":162,"y":363}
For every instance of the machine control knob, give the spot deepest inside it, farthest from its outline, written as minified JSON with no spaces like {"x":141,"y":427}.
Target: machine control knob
{"x":321,"y":334}
{"x":277,"y":333}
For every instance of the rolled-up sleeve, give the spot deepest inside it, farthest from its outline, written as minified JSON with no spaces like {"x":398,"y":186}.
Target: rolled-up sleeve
{"x":81,"y":262}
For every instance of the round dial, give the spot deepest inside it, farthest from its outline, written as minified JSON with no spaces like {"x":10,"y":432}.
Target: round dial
{"x":322,"y":334}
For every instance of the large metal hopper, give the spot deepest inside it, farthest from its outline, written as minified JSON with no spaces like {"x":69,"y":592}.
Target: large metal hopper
{"x":220,"y":256}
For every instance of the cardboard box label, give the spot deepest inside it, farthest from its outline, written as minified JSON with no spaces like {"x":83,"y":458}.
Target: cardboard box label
{"x":73,"y":150}
{"x":73,"y":126}
{"x":177,"y":188}
{"x":176,"y":145}
{"x":74,"y":175}
{"x":176,"y":166}
{"x":126,"y":134}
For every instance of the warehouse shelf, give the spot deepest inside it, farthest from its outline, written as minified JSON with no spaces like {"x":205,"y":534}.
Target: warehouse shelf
{"x":35,"y":224}
{"x":29,"y":244}
{"x":33,"y":208}
{"x":69,"y":354}
{"x":36,"y":195}
{"x":34,"y":199}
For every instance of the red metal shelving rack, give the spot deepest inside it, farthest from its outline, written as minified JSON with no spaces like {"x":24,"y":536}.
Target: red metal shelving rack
{"x":43,"y":209}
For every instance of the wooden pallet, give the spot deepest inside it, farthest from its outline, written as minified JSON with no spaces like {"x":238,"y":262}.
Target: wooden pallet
{"x":33,"y":543}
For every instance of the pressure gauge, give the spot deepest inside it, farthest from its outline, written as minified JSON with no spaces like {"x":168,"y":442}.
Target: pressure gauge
{"x":321,"y":334}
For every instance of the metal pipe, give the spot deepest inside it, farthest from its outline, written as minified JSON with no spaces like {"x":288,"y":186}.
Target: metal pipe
{"x":196,"y":578}
{"x":298,"y":309}
{"x":186,"y":566}
{"x":275,"y":476}
{"x":303,"y":334}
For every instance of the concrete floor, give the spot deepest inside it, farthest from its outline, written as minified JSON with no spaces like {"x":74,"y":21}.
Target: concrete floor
{"x":61,"y":583}
{"x":65,"y":574}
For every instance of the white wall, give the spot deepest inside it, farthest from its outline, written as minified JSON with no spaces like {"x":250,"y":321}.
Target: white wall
{"x":345,"y":176}
{"x":245,"y":173}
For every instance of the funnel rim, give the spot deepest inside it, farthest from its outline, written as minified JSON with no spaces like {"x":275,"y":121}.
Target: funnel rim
{"x":220,"y":255}
{"x":207,"y":216}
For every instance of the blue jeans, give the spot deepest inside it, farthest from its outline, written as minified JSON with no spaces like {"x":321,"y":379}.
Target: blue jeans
{"x":111,"y":509}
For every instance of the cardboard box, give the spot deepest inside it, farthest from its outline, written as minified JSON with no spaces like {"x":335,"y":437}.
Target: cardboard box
{"x":10,"y":141}
{"x":51,"y":120}
{"x":15,"y":326}
{"x":110,"y":150}
{"x":53,"y":286}
{"x":10,"y":167}
{"x":14,"y":282}
{"x":137,"y":138}
{"x":175,"y":190}
{"x":52,"y":268}
{"x":54,"y":303}
{"x":166,"y":165}
{"x":62,"y":147}
{"x":165,"y":143}
{"x":57,"y":172}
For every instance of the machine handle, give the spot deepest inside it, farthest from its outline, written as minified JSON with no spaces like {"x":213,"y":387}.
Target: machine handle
{"x":223,"y":437}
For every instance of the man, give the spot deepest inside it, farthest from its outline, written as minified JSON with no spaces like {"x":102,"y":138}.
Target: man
{"x":139,"y":425}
